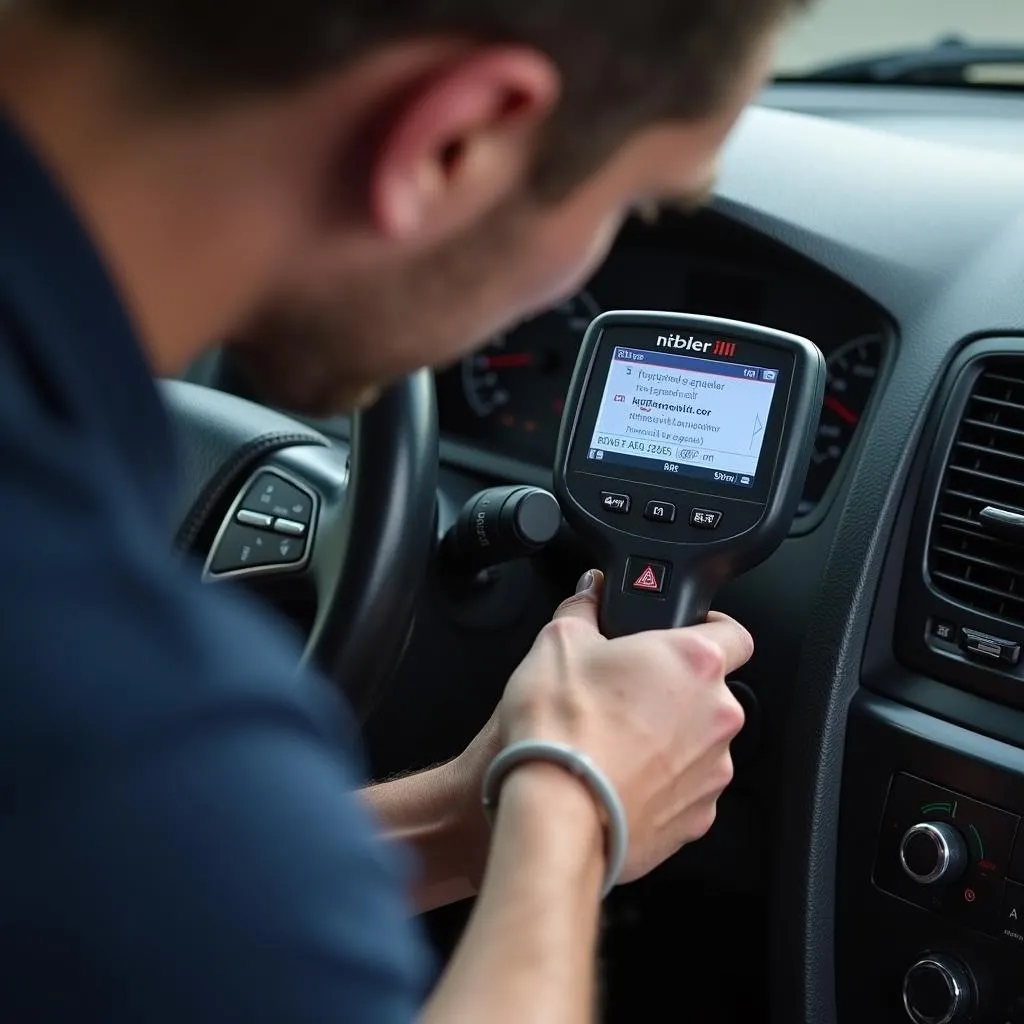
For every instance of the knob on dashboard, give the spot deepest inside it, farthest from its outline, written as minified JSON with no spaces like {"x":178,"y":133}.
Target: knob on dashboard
{"x":933,"y":853}
{"x":938,"y":989}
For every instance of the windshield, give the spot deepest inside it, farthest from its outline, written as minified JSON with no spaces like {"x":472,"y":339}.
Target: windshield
{"x":835,"y":34}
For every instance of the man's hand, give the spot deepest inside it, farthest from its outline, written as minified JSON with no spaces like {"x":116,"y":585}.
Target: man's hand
{"x":652,"y":710}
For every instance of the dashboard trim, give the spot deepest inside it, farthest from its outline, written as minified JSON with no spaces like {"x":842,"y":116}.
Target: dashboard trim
{"x":833,"y":192}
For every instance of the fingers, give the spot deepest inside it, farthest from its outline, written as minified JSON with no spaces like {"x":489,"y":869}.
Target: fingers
{"x":721,"y":632}
{"x":719,"y":638}
{"x":584,"y":604}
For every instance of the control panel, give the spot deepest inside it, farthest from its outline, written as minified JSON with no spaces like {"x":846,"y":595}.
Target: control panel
{"x":955,"y":856}
{"x":930,"y":911}
{"x":972,"y":646}
{"x":267,"y":530}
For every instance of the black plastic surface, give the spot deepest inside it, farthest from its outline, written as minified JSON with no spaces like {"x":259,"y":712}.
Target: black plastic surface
{"x":962,"y":778}
{"x":501,"y":524}
{"x":241,"y":548}
{"x":932,"y":233}
{"x":921,"y":604}
{"x":274,"y":495}
{"x":663,"y":574}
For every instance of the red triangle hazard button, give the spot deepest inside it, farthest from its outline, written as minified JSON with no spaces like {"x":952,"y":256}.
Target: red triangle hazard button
{"x":647,"y":580}
{"x":645,"y":576}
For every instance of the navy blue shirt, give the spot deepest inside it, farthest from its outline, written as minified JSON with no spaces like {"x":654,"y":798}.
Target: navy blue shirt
{"x":179,"y":839}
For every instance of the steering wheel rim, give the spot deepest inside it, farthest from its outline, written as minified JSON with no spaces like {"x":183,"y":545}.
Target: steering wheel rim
{"x":388,"y":534}
{"x":373,"y":526}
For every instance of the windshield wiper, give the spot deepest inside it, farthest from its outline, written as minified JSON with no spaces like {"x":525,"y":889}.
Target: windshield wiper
{"x":946,"y":63}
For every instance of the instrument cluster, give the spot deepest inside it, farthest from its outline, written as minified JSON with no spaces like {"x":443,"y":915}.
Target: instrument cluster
{"x":506,"y":399}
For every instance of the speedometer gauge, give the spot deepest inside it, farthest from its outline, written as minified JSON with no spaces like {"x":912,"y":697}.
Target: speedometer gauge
{"x":517,"y":382}
{"x":852,"y":371}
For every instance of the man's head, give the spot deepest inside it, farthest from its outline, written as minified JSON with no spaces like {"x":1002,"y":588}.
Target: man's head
{"x":384,"y":182}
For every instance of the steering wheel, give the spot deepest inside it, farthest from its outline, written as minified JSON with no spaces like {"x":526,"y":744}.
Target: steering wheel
{"x":339,"y":536}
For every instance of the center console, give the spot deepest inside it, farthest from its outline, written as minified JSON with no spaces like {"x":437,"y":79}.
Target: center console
{"x":930,"y":912}
{"x":930,"y":857}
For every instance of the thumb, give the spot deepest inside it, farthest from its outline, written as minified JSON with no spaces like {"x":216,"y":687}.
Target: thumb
{"x":585,"y":602}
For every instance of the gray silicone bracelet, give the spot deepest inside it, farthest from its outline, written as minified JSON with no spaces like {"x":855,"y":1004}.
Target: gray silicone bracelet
{"x":587,"y":772}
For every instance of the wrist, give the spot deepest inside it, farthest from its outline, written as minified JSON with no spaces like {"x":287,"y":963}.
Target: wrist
{"x":549,"y":805}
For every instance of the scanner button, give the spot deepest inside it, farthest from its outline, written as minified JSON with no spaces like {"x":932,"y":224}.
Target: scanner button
{"x":660,"y":512}
{"x":705,"y":518}
{"x":618,"y":503}
{"x":644,"y":576}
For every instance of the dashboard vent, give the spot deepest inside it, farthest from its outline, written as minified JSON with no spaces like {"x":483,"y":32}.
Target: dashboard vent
{"x":967,"y":561}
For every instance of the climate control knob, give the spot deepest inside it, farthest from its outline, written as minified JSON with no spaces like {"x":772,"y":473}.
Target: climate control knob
{"x":938,"y":989}
{"x":933,"y":853}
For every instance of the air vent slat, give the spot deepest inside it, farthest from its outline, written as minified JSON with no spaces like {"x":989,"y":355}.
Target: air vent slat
{"x":968,"y":560}
{"x":979,"y":474}
{"x":1002,"y":597}
{"x":998,"y":427}
{"x":973,"y":559}
{"x":959,"y":522}
{"x":1004,"y":378}
{"x":1001,"y":403}
{"x":993,"y":452}
{"x":961,"y":532}
{"x":980,"y":502}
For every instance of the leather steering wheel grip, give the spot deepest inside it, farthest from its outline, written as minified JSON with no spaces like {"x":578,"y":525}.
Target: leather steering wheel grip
{"x":388,"y":533}
{"x":219,"y":437}
{"x":373,"y":556}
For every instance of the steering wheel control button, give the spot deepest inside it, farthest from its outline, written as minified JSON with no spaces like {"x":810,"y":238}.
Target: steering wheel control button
{"x":644,"y":576}
{"x":620,"y":504}
{"x":933,"y":853}
{"x":290,"y":527}
{"x":277,"y":497}
{"x":245,"y":547}
{"x":989,"y":648}
{"x":660,"y":512}
{"x":260,"y":519}
{"x":705,"y":518}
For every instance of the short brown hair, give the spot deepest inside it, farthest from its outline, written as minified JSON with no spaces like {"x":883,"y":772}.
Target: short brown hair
{"x":625,"y":63}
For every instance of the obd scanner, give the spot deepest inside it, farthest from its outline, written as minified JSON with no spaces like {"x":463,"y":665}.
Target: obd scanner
{"x":683,"y":451}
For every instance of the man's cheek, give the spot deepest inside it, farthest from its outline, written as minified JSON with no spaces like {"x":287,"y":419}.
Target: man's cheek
{"x":573,"y":272}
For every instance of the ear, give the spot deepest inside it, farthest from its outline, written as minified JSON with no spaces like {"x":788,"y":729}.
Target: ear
{"x":462,"y":140}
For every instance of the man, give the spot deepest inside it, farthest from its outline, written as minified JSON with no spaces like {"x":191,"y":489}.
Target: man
{"x":350,"y":189}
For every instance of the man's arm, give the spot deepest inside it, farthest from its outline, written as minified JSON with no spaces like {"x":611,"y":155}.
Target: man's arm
{"x":433,"y":813}
{"x":529,"y":950}
{"x":438,"y":813}
{"x":654,"y":712}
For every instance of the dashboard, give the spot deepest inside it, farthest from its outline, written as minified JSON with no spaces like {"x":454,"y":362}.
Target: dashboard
{"x":505,"y":400}
{"x":885,"y":700}
{"x":877,"y":817}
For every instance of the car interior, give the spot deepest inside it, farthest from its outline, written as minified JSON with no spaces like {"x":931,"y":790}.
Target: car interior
{"x":867,"y":863}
